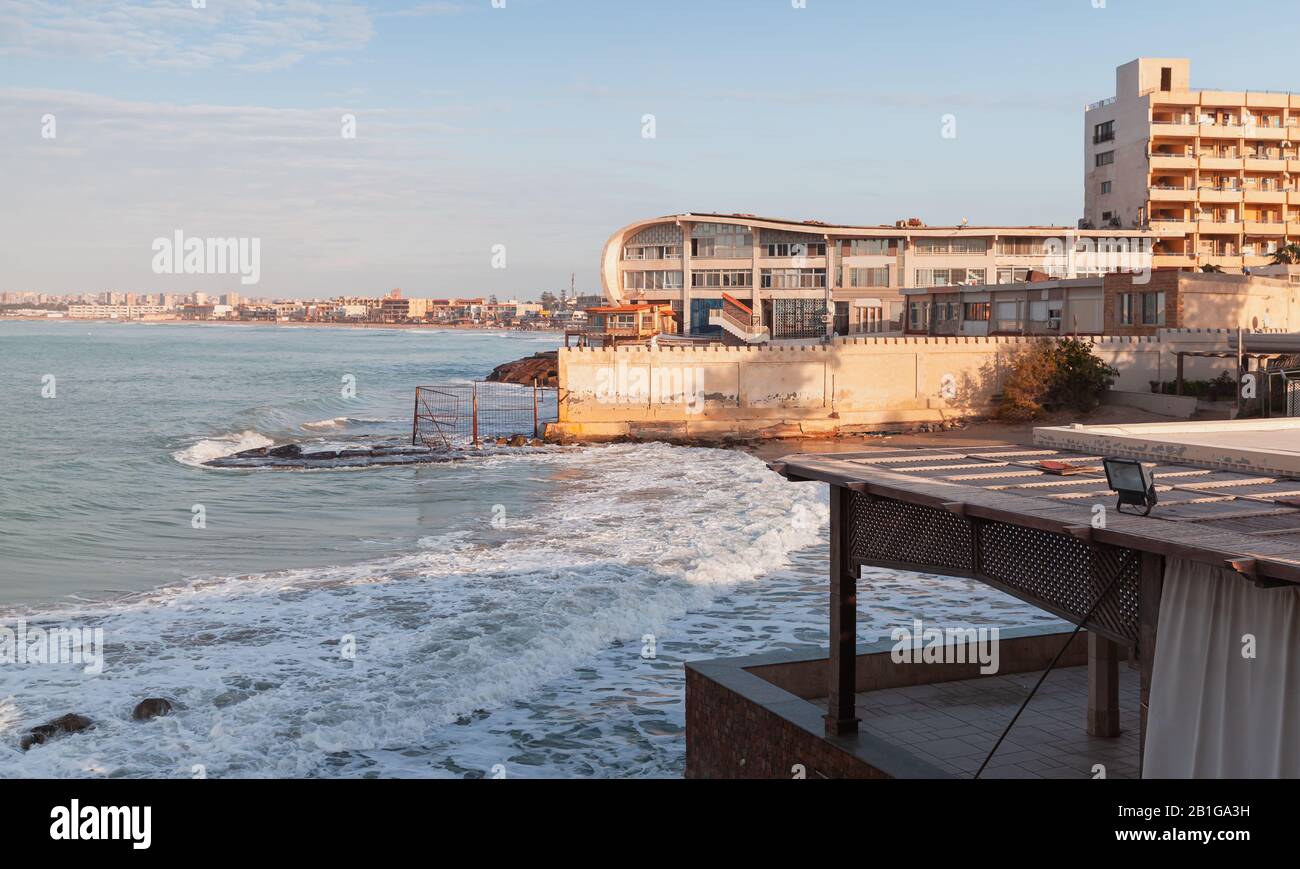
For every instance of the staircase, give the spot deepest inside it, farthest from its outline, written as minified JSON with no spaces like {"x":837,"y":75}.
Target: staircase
{"x":737,"y":320}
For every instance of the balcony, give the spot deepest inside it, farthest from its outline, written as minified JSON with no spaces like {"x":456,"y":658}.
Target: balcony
{"x":1220,"y":194}
{"x":1268,"y":132}
{"x":1218,"y":227}
{"x":1265,"y":227}
{"x":1265,"y":197}
{"x":1163,"y":226}
{"x":1261,"y":163}
{"x":1172,"y":161}
{"x":1228,"y":262}
{"x":1175,"y":128}
{"x":1173,"y":194}
{"x":1217,"y":163}
{"x":1172,"y":261}
{"x":1222,"y":131}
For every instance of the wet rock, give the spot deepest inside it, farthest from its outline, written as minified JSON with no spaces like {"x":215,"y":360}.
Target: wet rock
{"x":353,"y":454}
{"x":544,"y":368}
{"x":501,"y":442}
{"x":519,"y":441}
{"x":325,"y":456}
{"x":151,"y":707}
{"x":251,"y":454}
{"x":70,"y":723}
{"x":288,"y":451}
{"x":537,"y":442}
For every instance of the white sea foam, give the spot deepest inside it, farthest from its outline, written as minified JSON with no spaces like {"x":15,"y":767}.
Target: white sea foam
{"x":226,"y":445}
{"x":341,"y":422}
{"x":629,"y":539}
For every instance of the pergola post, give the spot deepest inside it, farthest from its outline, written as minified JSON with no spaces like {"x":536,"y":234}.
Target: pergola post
{"x":841,"y":711}
{"x":1178,"y":389}
{"x":1103,"y":686}
{"x":1150,"y":587}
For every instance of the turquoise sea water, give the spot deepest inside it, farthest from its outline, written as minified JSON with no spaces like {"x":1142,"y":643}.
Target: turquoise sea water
{"x":523,"y":613}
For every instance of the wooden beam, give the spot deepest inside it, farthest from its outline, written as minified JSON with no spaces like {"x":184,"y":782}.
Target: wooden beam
{"x":1103,"y":686}
{"x":841,"y":706}
{"x":1150,"y":588}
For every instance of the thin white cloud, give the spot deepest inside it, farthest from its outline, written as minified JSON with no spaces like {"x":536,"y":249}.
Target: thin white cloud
{"x":253,"y":35}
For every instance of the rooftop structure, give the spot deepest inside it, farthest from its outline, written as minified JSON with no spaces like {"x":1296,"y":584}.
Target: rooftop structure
{"x":1219,"y":557}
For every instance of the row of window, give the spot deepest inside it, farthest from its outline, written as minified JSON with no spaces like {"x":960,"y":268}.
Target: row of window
{"x":1146,"y":309}
{"x":949,"y":277}
{"x":1008,"y":313}
{"x":739,"y":246}
{"x":722,"y":278}
{"x":789,"y":279}
{"x":653,"y":251}
{"x":950,"y":246}
{"x":857,"y":278}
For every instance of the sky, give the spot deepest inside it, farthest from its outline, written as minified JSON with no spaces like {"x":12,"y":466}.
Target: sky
{"x":499,"y":143}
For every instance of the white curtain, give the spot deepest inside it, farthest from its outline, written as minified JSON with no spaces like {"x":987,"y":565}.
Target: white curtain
{"x":1215,"y":712}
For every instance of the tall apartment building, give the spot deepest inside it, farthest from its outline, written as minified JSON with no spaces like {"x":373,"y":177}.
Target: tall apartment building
{"x":1214,"y":173}
{"x":790,"y":274}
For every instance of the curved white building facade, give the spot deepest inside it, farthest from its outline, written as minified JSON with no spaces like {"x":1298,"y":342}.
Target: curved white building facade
{"x":798,"y":277}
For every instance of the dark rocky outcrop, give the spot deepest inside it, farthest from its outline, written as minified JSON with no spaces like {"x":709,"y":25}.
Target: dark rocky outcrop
{"x":288,"y":451}
{"x":40,"y":734}
{"x":544,"y":368}
{"x":151,"y":707}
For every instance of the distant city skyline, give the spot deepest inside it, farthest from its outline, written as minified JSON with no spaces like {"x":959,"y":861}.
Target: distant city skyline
{"x":516,"y":136}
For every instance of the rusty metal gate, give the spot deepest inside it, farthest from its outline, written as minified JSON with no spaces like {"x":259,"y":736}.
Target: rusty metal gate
{"x":451,"y":415}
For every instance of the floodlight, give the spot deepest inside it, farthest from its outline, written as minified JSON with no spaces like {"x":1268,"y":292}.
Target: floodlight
{"x":1134,"y":483}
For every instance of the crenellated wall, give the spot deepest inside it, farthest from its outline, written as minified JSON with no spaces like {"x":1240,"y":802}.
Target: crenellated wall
{"x":855,"y":384}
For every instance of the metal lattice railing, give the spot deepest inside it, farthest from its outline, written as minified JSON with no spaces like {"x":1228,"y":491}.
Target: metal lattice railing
{"x":1057,"y":572}
{"x":450,"y":415}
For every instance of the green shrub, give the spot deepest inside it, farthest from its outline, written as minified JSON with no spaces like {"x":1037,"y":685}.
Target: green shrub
{"x":1055,"y":375}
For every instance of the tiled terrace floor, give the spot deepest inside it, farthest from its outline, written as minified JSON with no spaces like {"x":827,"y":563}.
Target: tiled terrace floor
{"x":954,"y":725}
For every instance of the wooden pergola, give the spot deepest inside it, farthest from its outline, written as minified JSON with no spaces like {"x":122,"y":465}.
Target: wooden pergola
{"x":1023,"y":520}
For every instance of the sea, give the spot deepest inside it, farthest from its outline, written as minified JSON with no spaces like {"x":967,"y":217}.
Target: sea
{"x":517,"y":613}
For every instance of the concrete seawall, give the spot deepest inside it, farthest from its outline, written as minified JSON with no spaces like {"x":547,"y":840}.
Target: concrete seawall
{"x":853,"y":385}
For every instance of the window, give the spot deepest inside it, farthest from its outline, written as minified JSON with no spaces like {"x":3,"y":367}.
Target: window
{"x":1106,"y":187}
{"x":1153,"y":309}
{"x":1166,"y":78}
{"x":721,"y":241}
{"x":1124,"y":303}
{"x":917,"y":318}
{"x":793,"y":279}
{"x":1012,"y":276}
{"x":1103,"y":133}
{"x":871,"y":318}
{"x":655,"y":251}
{"x":1105,"y":158}
{"x":795,"y":248}
{"x":977,"y":311}
{"x":1021,"y":246}
{"x":652,"y":280}
{"x":722,"y":278}
{"x":869,"y":277}
{"x":869,"y":247}
{"x":950,"y":246}
{"x":949,"y":277}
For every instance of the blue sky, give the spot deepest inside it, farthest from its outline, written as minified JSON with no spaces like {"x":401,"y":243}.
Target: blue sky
{"x":521,"y":126}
